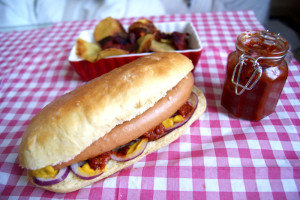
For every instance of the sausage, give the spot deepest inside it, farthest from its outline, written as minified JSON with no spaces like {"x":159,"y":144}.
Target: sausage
{"x":136,"y":127}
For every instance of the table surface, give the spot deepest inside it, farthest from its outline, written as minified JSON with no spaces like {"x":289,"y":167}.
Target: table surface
{"x":219,"y":157}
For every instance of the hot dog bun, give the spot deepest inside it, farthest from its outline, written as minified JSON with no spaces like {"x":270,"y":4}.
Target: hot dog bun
{"x":74,"y":122}
{"x":73,"y":183}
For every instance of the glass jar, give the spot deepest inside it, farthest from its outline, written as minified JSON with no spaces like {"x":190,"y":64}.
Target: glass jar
{"x":256,"y":73}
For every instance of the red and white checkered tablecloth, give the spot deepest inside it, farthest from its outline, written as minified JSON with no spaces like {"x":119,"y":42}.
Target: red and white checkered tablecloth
{"x":217,"y":158}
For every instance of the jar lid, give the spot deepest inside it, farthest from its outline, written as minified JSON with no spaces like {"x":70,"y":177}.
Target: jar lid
{"x":256,"y":46}
{"x":262,"y":43}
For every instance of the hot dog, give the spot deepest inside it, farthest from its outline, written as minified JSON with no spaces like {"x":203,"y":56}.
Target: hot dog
{"x":106,"y":113}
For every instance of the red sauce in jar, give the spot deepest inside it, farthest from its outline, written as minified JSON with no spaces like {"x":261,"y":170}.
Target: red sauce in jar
{"x":268,"y":51}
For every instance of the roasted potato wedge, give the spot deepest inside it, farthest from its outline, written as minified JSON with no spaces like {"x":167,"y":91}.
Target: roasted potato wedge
{"x":144,"y":43}
{"x":157,"y":46}
{"x":86,"y":50}
{"x":109,"y":27}
{"x":111,"y":52}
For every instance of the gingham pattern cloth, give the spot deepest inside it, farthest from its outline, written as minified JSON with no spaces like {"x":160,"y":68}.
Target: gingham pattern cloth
{"x":219,"y":157}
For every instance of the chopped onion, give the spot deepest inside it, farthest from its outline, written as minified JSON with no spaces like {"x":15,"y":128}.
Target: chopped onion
{"x":142,"y":143}
{"x":84,"y":176}
{"x":61,"y":175}
{"x":194,"y":101}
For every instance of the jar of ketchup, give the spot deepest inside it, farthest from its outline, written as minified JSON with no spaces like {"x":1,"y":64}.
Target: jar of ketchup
{"x":255,"y":76}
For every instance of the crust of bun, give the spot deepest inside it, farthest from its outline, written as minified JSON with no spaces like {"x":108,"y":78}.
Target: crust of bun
{"x":73,"y":183}
{"x":74,"y":121}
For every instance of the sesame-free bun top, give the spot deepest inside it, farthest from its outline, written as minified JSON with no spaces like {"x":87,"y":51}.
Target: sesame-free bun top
{"x":69,"y":124}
